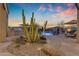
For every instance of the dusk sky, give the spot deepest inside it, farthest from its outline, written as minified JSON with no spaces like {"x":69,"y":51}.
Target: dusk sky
{"x":52,"y":12}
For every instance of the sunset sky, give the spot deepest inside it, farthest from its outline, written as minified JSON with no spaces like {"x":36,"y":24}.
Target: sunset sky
{"x":52,"y":12}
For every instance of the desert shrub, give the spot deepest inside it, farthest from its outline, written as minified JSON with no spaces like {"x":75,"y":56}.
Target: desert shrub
{"x":20,"y":40}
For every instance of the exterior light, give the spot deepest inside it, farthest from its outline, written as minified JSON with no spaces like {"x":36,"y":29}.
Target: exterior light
{"x":68,"y":30}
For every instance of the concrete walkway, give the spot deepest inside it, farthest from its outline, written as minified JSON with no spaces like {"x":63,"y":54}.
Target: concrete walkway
{"x":67,"y":46}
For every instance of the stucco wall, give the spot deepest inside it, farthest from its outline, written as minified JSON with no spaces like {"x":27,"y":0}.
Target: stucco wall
{"x":3,"y":23}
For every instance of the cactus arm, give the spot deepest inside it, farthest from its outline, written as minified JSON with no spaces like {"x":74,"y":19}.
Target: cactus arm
{"x":32,"y":27}
{"x":44,"y":27}
{"x":25,"y":29}
{"x":36,"y":34}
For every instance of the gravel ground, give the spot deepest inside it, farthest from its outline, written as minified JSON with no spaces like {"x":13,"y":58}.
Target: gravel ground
{"x":30,"y":49}
{"x":7,"y":48}
{"x":67,"y":46}
{"x":3,"y":49}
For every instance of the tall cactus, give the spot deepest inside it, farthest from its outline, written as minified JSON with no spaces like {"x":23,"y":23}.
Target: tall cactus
{"x":33,"y":34}
{"x":34,"y":29}
{"x":25,"y":29}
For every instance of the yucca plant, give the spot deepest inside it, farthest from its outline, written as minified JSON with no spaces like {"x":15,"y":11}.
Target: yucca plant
{"x":32,"y":35}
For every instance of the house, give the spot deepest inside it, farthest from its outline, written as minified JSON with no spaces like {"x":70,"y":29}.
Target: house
{"x":72,"y":23}
{"x":3,"y":21}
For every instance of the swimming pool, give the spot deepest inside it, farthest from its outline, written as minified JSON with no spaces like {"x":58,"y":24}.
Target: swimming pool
{"x":47,"y":34}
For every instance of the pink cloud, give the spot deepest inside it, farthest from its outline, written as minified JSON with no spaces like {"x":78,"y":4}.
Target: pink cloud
{"x":59,"y":9}
{"x":69,"y":19}
{"x":68,"y":12}
{"x":50,"y":7}
{"x":42,"y":8}
{"x":70,"y":4}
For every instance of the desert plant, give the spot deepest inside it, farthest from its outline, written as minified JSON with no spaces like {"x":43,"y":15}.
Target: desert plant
{"x":44,"y":27}
{"x":34,"y":29}
{"x":25,"y":29}
{"x":32,"y":35}
{"x":19,"y":40}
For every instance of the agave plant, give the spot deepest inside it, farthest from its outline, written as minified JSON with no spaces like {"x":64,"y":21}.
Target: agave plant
{"x":32,"y":35}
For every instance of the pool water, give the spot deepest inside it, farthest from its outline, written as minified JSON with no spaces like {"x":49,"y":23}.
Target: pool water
{"x":47,"y":34}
